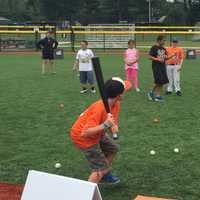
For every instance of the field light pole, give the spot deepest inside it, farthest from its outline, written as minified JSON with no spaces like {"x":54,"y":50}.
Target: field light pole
{"x":149,"y":11}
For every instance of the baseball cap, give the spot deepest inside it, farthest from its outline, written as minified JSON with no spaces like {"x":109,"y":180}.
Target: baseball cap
{"x":175,"y":40}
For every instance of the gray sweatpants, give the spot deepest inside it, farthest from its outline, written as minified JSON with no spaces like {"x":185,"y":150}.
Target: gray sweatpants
{"x":174,"y":78}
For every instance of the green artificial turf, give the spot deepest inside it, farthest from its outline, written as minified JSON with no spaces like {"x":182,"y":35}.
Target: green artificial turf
{"x":34,"y":131}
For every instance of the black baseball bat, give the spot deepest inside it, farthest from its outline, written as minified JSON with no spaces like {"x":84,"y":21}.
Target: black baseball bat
{"x":101,"y":85}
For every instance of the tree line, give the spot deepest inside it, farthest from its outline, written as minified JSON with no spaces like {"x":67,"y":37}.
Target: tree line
{"x":101,"y":11}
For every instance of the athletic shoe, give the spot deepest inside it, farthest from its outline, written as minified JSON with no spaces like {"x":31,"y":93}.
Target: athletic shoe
{"x":150,"y":96}
{"x":168,"y":93}
{"x":83,"y":91}
{"x":179,"y":93}
{"x":93,"y":91}
{"x":110,"y":179}
{"x":159,"y":99}
{"x":137,"y":89}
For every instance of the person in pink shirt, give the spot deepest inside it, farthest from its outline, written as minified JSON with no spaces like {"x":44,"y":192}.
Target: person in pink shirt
{"x":131,"y":58}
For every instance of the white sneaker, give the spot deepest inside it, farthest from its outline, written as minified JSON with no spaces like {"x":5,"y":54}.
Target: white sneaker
{"x":83,"y":91}
{"x":138,"y":90}
{"x":93,"y":91}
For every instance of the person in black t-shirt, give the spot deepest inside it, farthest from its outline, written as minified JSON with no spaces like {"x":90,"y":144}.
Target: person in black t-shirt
{"x":158,"y":55}
{"x":48,"y":44}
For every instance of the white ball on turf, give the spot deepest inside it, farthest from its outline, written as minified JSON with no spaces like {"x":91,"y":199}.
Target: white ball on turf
{"x":57,"y":165}
{"x":176,"y":150}
{"x":152,"y":152}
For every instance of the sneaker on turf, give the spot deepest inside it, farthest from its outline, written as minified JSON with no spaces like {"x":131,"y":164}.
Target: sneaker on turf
{"x":150,"y":96}
{"x":110,"y":179}
{"x":159,"y":99}
{"x":168,"y":93}
{"x":93,"y":91}
{"x":178,"y":93}
{"x":137,"y":89}
{"x":83,"y":91}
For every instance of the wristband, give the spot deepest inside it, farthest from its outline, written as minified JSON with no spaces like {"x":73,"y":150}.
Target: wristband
{"x":105,"y":126}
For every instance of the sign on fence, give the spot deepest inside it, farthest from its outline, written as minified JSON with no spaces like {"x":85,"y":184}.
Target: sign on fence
{"x":191,"y":54}
{"x":58,"y":54}
{"x":43,"y":186}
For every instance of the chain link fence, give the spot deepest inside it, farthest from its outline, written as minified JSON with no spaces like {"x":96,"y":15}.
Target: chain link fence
{"x":104,"y":38}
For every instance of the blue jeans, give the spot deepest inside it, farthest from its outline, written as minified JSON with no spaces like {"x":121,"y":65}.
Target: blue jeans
{"x":86,"y":77}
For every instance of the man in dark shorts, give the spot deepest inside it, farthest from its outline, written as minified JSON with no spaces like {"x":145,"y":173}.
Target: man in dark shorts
{"x":48,"y":44}
{"x":158,"y":55}
{"x":89,"y":133}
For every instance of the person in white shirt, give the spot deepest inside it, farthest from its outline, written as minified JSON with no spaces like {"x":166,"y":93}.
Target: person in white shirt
{"x":84,"y":64}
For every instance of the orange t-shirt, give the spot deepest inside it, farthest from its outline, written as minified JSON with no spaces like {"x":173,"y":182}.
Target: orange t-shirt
{"x":175,"y":60}
{"x":95,"y":115}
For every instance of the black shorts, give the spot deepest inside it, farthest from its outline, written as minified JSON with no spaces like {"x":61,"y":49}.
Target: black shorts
{"x":160,"y":74}
{"x":48,"y":55}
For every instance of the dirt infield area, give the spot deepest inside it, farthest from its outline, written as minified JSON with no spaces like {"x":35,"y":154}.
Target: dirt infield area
{"x":10,"y":191}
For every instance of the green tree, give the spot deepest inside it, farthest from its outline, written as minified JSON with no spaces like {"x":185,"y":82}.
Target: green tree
{"x":194,"y":12}
{"x":176,"y":15}
{"x":114,"y":11}
{"x":108,"y":9}
{"x":34,"y":10}
{"x":16,"y":10}
{"x":89,"y":11}
{"x":100,"y":11}
{"x":60,"y":9}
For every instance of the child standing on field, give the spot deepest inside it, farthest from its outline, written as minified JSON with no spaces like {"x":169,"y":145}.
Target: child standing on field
{"x":83,"y":63}
{"x":89,"y":133}
{"x":174,"y":66}
{"x":131,"y":58}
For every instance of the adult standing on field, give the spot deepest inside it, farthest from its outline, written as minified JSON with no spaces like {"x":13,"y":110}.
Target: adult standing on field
{"x":174,"y":66}
{"x":48,"y":45}
{"x":158,"y":55}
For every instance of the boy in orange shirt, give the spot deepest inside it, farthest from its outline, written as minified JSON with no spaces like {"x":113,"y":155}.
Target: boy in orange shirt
{"x":174,"y":66}
{"x":89,"y":133}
